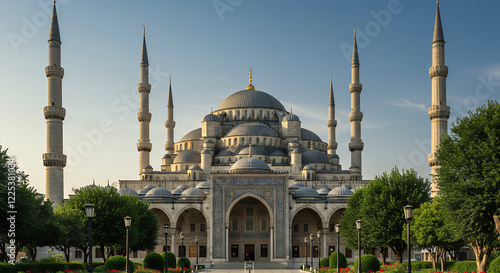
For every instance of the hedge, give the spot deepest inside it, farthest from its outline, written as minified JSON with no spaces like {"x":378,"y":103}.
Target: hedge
{"x":7,"y":268}
{"x":333,"y":260}
{"x":368,"y":263}
{"x":154,"y":261}
{"x":464,"y":266}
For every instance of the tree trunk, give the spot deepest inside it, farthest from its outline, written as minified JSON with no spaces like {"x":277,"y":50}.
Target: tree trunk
{"x":497,"y":223}
{"x":398,"y":254}
{"x":443,"y":258}
{"x":383,"y":250}
{"x":103,"y":253}
{"x":433,"y":256}
{"x":482,"y":254}
{"x":66,"y":250}
{"x":32,"y":251}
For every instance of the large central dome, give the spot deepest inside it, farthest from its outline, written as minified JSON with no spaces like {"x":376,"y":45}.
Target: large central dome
{"x":251,"y":99}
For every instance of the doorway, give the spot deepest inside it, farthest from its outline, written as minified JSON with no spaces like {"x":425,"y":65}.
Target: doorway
{"x":249,"y":252}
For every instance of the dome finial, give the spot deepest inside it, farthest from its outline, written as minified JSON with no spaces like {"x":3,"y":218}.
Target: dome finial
{"x":355,"y":29}
{"x":250,"y":85}
{"x":169,"y":79}
{"x":211,"y":111}
{"x":312,"y":145}
{"x":437,"y":2}
{"x":291,"y":110}
{"x":143,"y":30}
{"x":331,"y":78}
{"x":250,"y":150}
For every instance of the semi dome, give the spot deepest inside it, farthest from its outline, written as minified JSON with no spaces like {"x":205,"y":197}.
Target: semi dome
{"x":291,"y":117}
{"x":159,"y":193}
{"x":250,"y":164}
{"x":255,"y":151}
{"x":252,"y":129}
{"x":211,"y":117}
{"x":195,"y":134}
{"x":188,"y":156}
{"x":305,"y":192}
{"x":314,"y":156}
{"x":309,"y":135}
{"x":251,"y":99}
{"x":127,"y":191}
{"x":340,"y":191}
{"x":192,"y":193}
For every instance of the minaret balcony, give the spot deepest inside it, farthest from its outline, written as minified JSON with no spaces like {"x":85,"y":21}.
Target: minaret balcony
{"x":56,"y":112}
{"x":144,"y":87}
{"x":439,"y":111}
{"x":169,"y":124}
{"x":355,"y":87}
{"x":141,"y":116}
{"x":356,"y":144}
{"x":54,"y":70}
{"x":331,"y":123}
{"x":438,"y":70}
{"x":144,"y":146}
{"x":432,"y":160}
{"x":54,"y":159}
{"x":355,"y":116}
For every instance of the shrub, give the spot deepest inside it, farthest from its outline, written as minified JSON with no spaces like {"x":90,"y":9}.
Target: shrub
{"x":154,"y":261}
{"x":333,"y":260}
{"x":100,"y":269}
{"x":171,"y":259}
{"x":493,"y":255}
{"x":368,"y":263}
{"x":116,"y":262}
{"x":41,"y":267}
{"x":76,"y":266}
{"x":324,"y":262}
{"x":464,"y":266}
{"x":7,"y":268}
{"x":187,"y":262}
{"x":494,"y":266}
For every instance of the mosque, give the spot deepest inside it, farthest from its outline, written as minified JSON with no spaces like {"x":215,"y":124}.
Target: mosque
{"x":252,"y":184}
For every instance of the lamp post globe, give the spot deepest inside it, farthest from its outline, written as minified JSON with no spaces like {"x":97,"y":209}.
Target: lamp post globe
{"x":89,"y":212}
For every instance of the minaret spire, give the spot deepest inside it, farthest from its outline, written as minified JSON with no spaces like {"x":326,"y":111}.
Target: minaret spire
{"x":170,"y":123}
{"x":356,"y":145}
{"x":250,"y":85}
{"x":331,"y":123}
{"x":439,"y":112}
{"x":144,"y":145}
{"x":54,"y":160}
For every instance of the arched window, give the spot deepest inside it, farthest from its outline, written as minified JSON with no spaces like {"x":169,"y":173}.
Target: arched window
{"x":257,"y":141}
{"x":264,"y":225}
{"x":229,"y":142}
{"x":235,"y":224}
{"x":249,"y":224}
{"x":250,"y":140}
{"x":235,"y":142}
{"x":242,"y":141}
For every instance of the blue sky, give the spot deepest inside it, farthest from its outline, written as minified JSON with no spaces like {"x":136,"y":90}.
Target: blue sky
{"x":208,"y":46}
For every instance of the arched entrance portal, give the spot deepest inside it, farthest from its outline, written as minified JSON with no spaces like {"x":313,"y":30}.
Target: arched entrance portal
{"x":249,"y":231}
{"x":305,"y":223}
{"x":192,"y":223}
{"x":162,"y":220}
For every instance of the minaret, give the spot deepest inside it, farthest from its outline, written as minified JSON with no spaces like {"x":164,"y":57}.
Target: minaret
{"x":439,"y":112}
{"x":54,"y":160}
{"x":356,"y":145}
{"x":170,"y":123}
{"x":332,"y":123}
{"x":144,"y":116}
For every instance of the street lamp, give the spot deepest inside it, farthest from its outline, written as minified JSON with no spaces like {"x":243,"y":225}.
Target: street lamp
{"x":196,"y":240}
{"x":408,"y":215}
{"x":359,"y":226}
{"x":165,"y":230}
{"x":319,"y":248}
{"x":89,"y":211}
{"x":128,"y":222}
{"x":337,"y":230}
{"x":305,"y":242}
{"x":182,"y":249}
{"x":311,"y":237}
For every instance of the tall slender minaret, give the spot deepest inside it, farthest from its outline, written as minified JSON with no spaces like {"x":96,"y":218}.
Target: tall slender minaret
{"x":170,"y":123}
{"x":144,"y":116}
{"x":332,"y":123}
{"x":439,"y":112}
{"x":54,"y":160}
{"x":356,"y":145}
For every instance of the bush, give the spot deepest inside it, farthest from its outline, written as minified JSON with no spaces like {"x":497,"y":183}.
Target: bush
{"x":100,"y":269}
{"x":7,"y":268}
{"x":42,"y":267}
{"x":464,"y":266}
{"x":324,"y":262}
{"x":493,"y":255}
{"x":117,"y":262}
{"x":494,"y":266}
{"x":154,"y":261}
{"x":171,"y":259}
{"x":368,"y":263}
{"x":333,"y":260}
{"x":76,"y":266}
{"x":187,"y":262}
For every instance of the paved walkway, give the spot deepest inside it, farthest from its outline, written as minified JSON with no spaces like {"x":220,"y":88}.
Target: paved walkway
{"x":256,"y":271}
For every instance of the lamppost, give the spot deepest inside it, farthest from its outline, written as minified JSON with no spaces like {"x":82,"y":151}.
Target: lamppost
{"x":311,"y":238}
{"x":337,"y":230}
{"x":408,"y":215}
{"x":182,"y":249}
{"x":196,"y":240}
{"x":319,"y":249}
{"x":359,"y":226}
{"x":305,"y":243}
{"x":128,"y":222}
{"x":89,"y":211}
{"x":165,"y":230}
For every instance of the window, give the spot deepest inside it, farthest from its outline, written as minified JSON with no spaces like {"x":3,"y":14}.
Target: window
{"x":332,"y":227}
{"x":331,"y":249}
{"x":78,"y":254}
{"x":168,"y":248}
{"x":202,"y":228}
{"x":295,"y":227}
{"x":295,"y":251}
{"x":98,"y":253}
{"x":182,"y":251}
{"x":235,"y":224}
{"x":134,"y":254}
{"x":193,"y":227}
{"x":192,"y":251}
{"x":264,"y":225}
{"x":203,"y":251}
{"x":305,"y":228}
{"x":263,"y":250}
{"x":348,"y":253}
{"x":234,"y":251}
{"x":249,"y":224}
{"x":315,"y":251}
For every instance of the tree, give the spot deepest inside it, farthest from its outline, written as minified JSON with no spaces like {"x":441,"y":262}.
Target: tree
{"x":468,"y":179}
{"x":380,"y":207}
{"x":74,"y":231}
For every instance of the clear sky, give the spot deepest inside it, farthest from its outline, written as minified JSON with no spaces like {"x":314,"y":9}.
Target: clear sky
{"x":208,"y":46}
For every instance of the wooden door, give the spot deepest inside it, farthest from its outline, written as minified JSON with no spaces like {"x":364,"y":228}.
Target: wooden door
{"x":249,"y":252}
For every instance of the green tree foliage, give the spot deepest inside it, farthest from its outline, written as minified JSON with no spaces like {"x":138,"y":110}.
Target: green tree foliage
{"x":74,"y":231}
{"x":333,"y":260}
{"x":183,"y":261}
{"x":469,"y":177}
{"x":495,"y":265}
{"x":368,"y":263}
{"x":154,"y":261}
{"x":380,"y":206}
{"x":108,"y":229}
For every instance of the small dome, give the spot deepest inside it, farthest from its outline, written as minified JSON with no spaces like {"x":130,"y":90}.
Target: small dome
{"x":250,"y":164}
{"x":178,"y":191}
{"x":206,"y":151}
{"x":208,"y":141}
{"x":188,"y":156}
{"x":290,"y":117}
{"x":354,"y":167}
{"x":323,"y":191}
{"x":192,"y":193}
{"x":251,"y":99}
{"x":277,"y":153}
{"x":143,"y":191}
{"x":305,"y":192}
{"x":195,"y":134}
{"x":225,"y":153}
{"x":159,"y":193}
{"x":293,"y":141}
{"x":296,"y":185}
{"x":150,"y":186}
{"x":335,"y":156}
{"x":252,"y":129}
{"x":309,"y":135}
{"x":195,"y":167}
{"x":183,"y":186}
{"x":255,"y":151}
{"x":211,"y":117}
{"x":314,"y":156}
{"x":308,"y":167}
{"x":167,"y":156}
{"x":148,"y":167}
{"x":127,"y":191}
{"x":340,"y":191}
{"x":322,"y":187}
{"x":203,"y":185}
